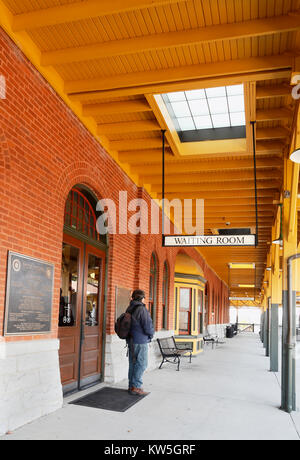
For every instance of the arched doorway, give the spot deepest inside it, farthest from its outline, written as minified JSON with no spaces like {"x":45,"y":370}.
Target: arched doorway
{"x":82,"y":293}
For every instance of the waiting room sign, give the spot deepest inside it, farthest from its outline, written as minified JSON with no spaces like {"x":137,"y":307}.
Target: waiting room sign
{"x":209,"y":240}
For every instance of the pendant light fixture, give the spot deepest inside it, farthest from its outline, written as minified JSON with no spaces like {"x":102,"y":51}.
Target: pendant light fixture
{"x":295,"y":156}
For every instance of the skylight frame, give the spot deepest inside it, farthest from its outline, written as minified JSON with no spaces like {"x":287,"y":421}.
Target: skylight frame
{"x":208,"y":121}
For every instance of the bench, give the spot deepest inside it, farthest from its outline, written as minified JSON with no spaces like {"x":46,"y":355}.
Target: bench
{"x":172,"y":352}
{"x":212,"y":339}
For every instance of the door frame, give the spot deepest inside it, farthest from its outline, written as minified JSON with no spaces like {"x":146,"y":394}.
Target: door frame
{"x":78,"y":240}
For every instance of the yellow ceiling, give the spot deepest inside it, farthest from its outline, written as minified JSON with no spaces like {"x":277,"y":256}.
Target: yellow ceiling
{"x":108,"y":59}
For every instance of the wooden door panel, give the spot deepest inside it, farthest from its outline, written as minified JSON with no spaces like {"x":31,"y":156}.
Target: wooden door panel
{"x":93,"y":322}
{"x":69,"y":334}
{"x":67,"y":345}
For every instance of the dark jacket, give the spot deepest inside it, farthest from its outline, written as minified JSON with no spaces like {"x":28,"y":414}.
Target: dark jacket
{"x":142,"y":330}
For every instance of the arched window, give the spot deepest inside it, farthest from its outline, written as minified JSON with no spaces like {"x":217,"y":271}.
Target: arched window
{"x":80,"y":215}
{"x":165,"y":296}
{"x":152,"y":287}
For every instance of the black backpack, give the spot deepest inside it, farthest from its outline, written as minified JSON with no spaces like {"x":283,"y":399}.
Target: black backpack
{"x":123,"y":324}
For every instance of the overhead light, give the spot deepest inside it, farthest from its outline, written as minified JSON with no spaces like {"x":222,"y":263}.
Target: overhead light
{"x":241,"y":298}
{"x":241,"y":265}
{"x":280,"y":239}
{"x":295,"y":156}
{"x":247,"y":285}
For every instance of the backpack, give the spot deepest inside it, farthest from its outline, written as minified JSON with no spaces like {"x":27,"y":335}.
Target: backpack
{"x":123,"y":324}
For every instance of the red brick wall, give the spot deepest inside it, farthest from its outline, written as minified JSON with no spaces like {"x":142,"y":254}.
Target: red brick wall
{"x":44,"y":151}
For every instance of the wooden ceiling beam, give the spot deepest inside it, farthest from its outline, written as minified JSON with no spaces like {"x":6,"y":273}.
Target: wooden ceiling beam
{"x":267,"y":146}
{"x":273,"y":114}
{"x":183,"y":73}
{"x":267,"y":92}
{"x":185,"y":85}
{"x":240,"y":211}
{"x":169,"y":40}
{"x":272,"y":133}
{"x":115,"y":108}
{"x":231,"y":214}
{"x":203,"y":177}
{"x":136,"y":144}
{"x":243,"y":222}
{"x":215,"y":196}
{"x":262,"y":147}
{"x":181,"y":187}
{"x":128,"y":127}
{"x":151,"y":160}
{"x":81,"y":10}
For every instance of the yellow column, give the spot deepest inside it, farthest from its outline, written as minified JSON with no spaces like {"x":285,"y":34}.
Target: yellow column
{"x":291,"y":179}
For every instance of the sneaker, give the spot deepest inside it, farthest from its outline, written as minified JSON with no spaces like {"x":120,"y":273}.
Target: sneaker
{"x":138,"y":391}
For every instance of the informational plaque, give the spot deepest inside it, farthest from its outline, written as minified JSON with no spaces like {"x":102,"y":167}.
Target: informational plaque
{"x":29,"y":293}
{"x":123,"y":297}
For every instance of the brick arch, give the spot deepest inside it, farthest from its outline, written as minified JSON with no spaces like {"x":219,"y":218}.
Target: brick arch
{"x":81,"y":173}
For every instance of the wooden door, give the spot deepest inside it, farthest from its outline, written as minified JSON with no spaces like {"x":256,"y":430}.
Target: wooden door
{"x":92,"y":314}
{"x":81,"y":314}
{"x":70,"y":311}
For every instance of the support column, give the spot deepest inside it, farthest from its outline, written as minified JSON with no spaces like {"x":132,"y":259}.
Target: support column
{"x":288,"y":372}
{"x":268,"y":327}
{"x":276,"y":291}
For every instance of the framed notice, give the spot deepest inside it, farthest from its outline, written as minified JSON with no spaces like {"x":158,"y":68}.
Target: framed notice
{"x":123,"y":297}
{"x":29,"y":295}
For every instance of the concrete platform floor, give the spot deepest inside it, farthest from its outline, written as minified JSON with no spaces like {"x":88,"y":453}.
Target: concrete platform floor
{"x":225,"y":394}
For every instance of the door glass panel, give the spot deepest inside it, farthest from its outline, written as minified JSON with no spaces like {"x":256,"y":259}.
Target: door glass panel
{"x":92,"y":291}
{"x":69,"y":286}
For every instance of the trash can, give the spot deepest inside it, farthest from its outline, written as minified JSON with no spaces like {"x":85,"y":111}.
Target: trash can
{"x":229,"y":332}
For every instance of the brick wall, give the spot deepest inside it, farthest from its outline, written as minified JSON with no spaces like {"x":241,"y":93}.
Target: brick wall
{"x":45,"y":151}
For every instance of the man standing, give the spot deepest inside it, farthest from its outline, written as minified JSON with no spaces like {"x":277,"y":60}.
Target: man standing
{"x":141,"y":333}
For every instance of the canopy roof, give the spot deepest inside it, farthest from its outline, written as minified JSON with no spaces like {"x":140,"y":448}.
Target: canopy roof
{"x":112,"y":60}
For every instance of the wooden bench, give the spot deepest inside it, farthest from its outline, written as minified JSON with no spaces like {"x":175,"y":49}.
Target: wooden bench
{"x":172,"y":352}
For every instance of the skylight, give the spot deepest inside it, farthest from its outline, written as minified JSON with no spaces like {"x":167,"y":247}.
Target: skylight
{"x":208,"y":110}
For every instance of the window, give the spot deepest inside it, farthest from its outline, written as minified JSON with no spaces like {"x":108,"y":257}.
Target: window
{"x":69,"y":286}
{"x":185,"y":308}
{"x":80,"y":215}
{"x":165,"y":291}
{"x":152,"y":287}
{"x":200,"y":311}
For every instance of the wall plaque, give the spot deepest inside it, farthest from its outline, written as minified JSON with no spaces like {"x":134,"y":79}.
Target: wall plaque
{"x":29,"y":293}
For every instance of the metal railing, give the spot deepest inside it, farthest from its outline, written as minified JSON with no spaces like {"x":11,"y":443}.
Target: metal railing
{"x":246,"y":327}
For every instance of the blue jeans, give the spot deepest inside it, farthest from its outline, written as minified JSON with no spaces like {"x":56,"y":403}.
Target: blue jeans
{"x":138,"y":366}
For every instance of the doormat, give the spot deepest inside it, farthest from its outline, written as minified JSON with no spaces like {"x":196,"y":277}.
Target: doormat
{"x":112,"y":399}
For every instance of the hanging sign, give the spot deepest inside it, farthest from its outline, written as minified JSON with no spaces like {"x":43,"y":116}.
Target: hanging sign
{"x":209,"y":240}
